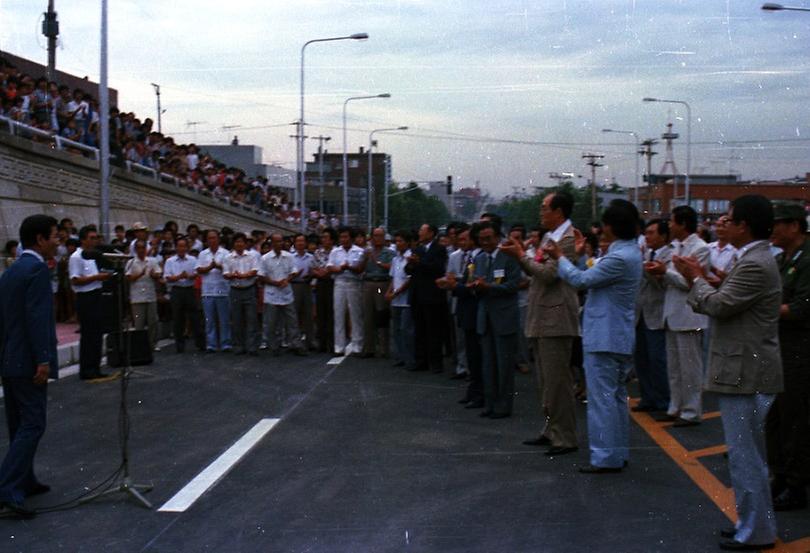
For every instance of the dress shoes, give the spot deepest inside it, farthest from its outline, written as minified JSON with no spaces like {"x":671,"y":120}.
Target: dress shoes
{"x":495,"y":415}
{"x":683,"y":423}
{"x":791,"y":499}
{"x":728,"y":533}
{"x":666,"y":418}
{"x":37,"y":489}
{"x":591,"y":469}
{"x":474,"y":405}
{"x":560,"y":450}
{"x":15,"y":510}
{"x":734,"y":545}
{"x":96,"y":376}
{"x":542,"y":440}
{"x":485,"y":414}
{"x":459,"y":376}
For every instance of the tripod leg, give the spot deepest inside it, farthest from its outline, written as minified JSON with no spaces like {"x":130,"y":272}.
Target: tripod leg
{"x":133,"y":491}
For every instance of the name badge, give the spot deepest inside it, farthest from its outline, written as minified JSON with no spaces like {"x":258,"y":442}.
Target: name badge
{"x":498,"y":273}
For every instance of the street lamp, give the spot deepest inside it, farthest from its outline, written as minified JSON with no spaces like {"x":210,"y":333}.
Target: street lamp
{"x":771,"y":7}
{"x":346,"y":153}
{"x":688,"y":139}
{"x":300,"y":165}
{"x":635,"y":135}
{"x":370,"y":173}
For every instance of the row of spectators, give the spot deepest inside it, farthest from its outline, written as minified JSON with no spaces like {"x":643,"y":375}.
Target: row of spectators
{"x":74,"y":114}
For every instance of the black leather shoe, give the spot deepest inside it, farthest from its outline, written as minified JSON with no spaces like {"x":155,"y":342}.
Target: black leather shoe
{"x":734,"y":545}
{"x":15,"y":510}
{"x":542,"y":440}
{"x":791,"y":499}
{"x":559,"y":450}
{"x":459,"y":376}
{"x":495,"y":415}
{"x":591,"y":469}
{"x":485,"y":414}
{"x":665,"y":418}
{"x":37,"y":489}
{"x":97,"y":376}
{"x":474,"y":405}
{"x":682,"y":423}
{"x":728,"y":533}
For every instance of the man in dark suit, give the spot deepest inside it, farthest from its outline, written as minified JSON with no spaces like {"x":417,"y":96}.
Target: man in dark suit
{"x":497,"y":277}
{"x":428,"y":302}
{"x":27,"y":359}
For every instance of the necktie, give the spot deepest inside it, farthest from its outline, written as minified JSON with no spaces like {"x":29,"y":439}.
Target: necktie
{"x":652,"y":255}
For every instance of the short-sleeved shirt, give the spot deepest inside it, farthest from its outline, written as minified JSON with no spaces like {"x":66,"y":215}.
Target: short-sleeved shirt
{"x":374,"y":271}
{"x":81,"y":267}
{"x":303,"y":265}
{"x":339,"y":256}
{"x":213,"y":283}
{"x":176,"y":265}
{"x":142,"y":290}
{"x":244,"y":263}
{"x":399,"y":277}
{"x":320,"y":260}
{"x":277,"y":267}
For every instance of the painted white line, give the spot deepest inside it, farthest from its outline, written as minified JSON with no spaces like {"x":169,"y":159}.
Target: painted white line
{"x":214,"y":472}
{"x":336,"y":360}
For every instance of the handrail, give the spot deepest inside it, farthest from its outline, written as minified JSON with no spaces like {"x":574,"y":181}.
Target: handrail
{"x":133,"y":167}
{"x":60,"y":142}
{"x":78,"y":145}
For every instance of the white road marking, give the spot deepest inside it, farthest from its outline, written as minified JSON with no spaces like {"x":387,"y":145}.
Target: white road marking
{"x":214,"y":472}
{"x":336,"y":360}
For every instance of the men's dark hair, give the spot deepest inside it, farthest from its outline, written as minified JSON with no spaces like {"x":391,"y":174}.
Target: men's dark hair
{"x":563,"y":200}
{"x":296,"y":235}
{"x":592,"y":240}
{"x":192,"y":226}
{"x":462,"y":227}
{"x":687,"y":217}
{"x":757,"y":212}
{"x":119,"y":227}
{"x":85,"y":230}
{"x":622,"y":216}
{"x":209,"y":231}
{"x":484,"y":225}
{"x":519,"y":227}
{"x":34,"y":226}
{"x":433,"y":229}
{"x":661,"y":227}
{"x":494,"y":218}
{"x":404,"y":234}
{"x":237,"y":236}
{"x":343,"y":228}
{"x":179,"y":239}
{"x":331,"y":232}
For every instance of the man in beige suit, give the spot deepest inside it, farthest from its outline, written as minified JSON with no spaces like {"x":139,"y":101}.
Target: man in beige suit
{"x":552,"y":322}
{"x":745,"y":367}
{"x":684,"y":327}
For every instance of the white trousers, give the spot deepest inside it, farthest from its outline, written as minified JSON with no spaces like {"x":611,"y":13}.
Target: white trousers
{"x":685,"y":368}
{"x":348,"y":296}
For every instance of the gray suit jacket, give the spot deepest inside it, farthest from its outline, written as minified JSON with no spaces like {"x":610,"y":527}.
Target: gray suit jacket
{"x":652,"y":292}
{"x":678,"y":315}
{"x":553,"y":303}
{"x":744,"y":351}
{"x":498,"y":307}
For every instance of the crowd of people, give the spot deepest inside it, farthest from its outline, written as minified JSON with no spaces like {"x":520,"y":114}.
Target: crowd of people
{"x":74,"y":115}
{"x":589,"y":311}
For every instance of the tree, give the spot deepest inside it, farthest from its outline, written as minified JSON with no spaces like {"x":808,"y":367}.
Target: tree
{"x":409,"y":207}
{"x":527,"y":210}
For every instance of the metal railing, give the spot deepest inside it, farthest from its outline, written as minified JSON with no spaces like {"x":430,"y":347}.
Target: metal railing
{"x":60,"y":143}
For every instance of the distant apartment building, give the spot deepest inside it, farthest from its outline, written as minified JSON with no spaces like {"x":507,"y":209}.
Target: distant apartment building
{"x":248,"y":158}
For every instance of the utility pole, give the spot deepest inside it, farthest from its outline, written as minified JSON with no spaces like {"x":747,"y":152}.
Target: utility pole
{"x":50,"y":28}
{"x":321,"y":139}
{"x":299,"y":141}
{"x":157,"y":94}
{"x":647,"y":152}
{"x":593,"y":163}
{"x":104,"y":120}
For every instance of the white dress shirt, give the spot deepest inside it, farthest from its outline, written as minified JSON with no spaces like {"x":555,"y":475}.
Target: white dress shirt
{"x":81,"y":267}
{"x":399,"y":277}
{"x":303,"y":265}
{"x":213,"y":283}
{"x":338,"y":256}
{"x":721,"y":258}
{"x":277,"y":267}
{"x":176,"y":266}
{"x":244,"y":263}
{"x":142,"y":290}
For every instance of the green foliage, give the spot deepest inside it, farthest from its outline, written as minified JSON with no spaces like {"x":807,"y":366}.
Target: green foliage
{"x":409,"y":210}
{"x":527,"y":210}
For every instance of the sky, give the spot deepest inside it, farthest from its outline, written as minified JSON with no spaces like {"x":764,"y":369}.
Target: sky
{"x":495,"y":92}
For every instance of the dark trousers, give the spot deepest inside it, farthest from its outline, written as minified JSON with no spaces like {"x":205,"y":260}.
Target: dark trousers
{"x":303,"y":310}
{"x":430,"y":322}
{"x":185,"y":308}
{"x":788,"y":428}
{"x":651,"y":367}
{"x":498,"y":370}
{"x":376,"y":316}
{"x":26,"y":406}
{"x":243,"y":316}
{"x":89,"y":309}
{"x":324,"y":306}
{"x":472,"y":349}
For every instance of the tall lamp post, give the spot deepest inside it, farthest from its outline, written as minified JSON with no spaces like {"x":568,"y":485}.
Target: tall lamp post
{"x":688,"y":139}
{"x":371,"y":172}
{"x":637,"y":156}
{"x":300,"y":166}
{"x":346,"y":153}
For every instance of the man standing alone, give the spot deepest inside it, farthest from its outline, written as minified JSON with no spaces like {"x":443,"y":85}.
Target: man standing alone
{"x":27,"y":359}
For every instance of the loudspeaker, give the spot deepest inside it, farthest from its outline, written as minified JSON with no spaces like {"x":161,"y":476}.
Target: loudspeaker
{"x":137,"y":341}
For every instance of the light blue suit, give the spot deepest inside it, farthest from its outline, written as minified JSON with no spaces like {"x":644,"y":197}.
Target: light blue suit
{"x":608,"y":341}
